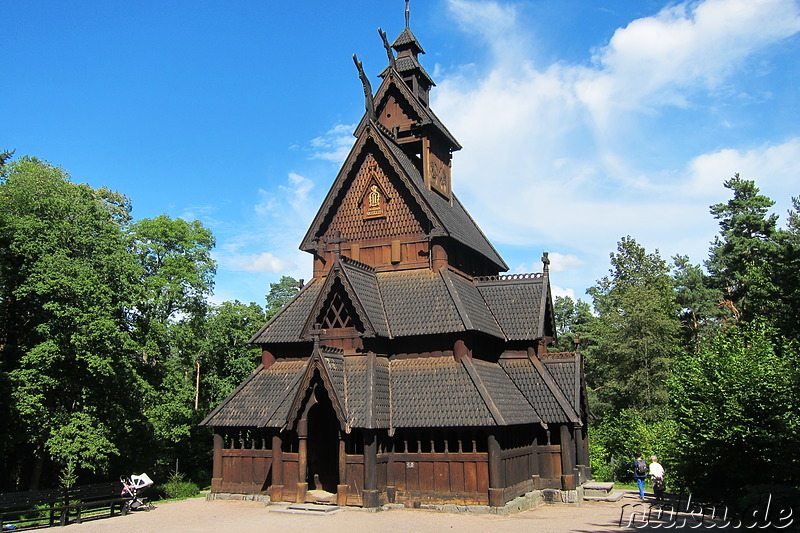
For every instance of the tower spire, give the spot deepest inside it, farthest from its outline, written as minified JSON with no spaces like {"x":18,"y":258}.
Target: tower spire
{"x":408,"y":15}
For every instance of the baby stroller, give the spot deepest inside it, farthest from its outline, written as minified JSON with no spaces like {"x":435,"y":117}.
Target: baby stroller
{"x":131,"y":487}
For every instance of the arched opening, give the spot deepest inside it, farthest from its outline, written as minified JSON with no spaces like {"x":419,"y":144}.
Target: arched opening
{"x":323,"y":443}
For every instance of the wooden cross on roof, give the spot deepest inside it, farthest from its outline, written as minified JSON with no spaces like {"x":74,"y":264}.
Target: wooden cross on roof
{"x":315,"y":333}
{"x":337,"y":240}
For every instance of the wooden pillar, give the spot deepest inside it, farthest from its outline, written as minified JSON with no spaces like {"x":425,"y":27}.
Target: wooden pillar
{"x":302,"y":460}
{"x":495,"y":472}
{"x":370,"y":493}
{"x":276,"y":490}
{"x":391,"y":489}
{"x":341,"y":488}
{"x":438,"y":257}
{"x":582,"y":453}
{"x":216,"y":476}
{"x":567,"y":457}
{"x":460,"y":350}
{"x":533,"y":462}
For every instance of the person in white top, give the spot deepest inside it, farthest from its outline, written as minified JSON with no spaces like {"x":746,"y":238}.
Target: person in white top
{"x":657,"y":476}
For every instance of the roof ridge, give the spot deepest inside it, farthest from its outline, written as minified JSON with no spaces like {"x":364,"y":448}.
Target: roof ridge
{"x":263,"y":328}
{"x":510,"y":277}
{"x":552,"y":384}
{"x":477,"y":380}
{"x":230,"y":396}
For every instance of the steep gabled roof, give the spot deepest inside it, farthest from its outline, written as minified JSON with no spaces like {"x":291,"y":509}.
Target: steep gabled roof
{"x":425,"y":115}
{"x":444,"y":219}
{"x":454,"y":221}
{"x":329,"y":363}
{"x":361,"y":286}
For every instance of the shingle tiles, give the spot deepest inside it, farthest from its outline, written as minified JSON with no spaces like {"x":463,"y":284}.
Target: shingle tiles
{"x":517,"y":306}
{"x":531,"y":384}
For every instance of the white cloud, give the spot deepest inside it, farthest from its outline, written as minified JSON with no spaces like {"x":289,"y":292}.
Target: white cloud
{"x":547,"y":149}
{"x":263,"y":262}
{"x":335,"y":144}
{"x":295,"y":193}
{"x":558,"y":291}
{"x":562,"y":262}
{"x":772,"y":166}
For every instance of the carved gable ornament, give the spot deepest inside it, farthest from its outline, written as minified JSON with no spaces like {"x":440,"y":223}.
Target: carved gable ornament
{"x":375,"y":200}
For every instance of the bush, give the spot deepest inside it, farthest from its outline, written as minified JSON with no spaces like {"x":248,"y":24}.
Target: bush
{"x":614,"y":442}
{"x":179,"y":488}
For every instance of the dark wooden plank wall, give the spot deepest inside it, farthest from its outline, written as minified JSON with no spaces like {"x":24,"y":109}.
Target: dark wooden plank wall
{"x":452,"y":477}
{"x":355,"y":478}
{"x":244,"y":471}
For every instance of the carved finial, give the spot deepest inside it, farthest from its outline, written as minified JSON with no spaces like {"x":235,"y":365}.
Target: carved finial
{"x":546,"y":262}
{"x":386,"y":45}
{"x":408,"y":15}
{"x":368,"y":102}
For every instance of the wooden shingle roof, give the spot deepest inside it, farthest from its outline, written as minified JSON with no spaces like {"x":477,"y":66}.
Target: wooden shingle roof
{"x":261,"y":400}
{"x":420,"y":302}
{"x":287,"y":324}
{"x":517,"y":302}
{"x":376,"y":392}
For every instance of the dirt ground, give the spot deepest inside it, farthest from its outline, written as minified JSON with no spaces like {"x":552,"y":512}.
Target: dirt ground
{"x":199,"y":515}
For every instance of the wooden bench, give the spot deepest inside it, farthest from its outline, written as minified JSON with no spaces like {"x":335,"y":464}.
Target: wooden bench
{"x":32,"y":507}
{"x":61,"y":506}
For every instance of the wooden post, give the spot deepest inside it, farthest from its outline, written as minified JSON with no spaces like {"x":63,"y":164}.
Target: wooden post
{"x":370,"y":493}
{"x":267,"y":359}
{"x":302,"y":460}
{"x":495,"y":472}
{"x":391,"y":489}
{"x":567,"y":458}
{"x":216,"y":477}
{"x":460,"y":350}
{"x":276,"y":490}
{"x":341,"y":488}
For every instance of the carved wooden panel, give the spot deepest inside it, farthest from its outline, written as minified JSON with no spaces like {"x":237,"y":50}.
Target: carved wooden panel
{"x":392,"y":114}
{"x":395,"y":217}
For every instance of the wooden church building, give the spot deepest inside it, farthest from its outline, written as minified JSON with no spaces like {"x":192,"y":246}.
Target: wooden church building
{"x":408,"y":370}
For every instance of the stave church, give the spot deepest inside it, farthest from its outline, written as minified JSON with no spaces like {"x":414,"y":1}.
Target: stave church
{"x":409,"y":370}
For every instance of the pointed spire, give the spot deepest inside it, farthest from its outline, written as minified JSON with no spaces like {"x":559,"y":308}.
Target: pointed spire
{"x":408,"y":15}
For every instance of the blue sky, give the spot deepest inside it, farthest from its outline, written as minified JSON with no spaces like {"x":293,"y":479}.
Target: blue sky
{"x":581,"y":121}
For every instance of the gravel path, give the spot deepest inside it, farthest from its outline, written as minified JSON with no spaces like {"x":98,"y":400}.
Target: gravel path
{"x":199,"y":515}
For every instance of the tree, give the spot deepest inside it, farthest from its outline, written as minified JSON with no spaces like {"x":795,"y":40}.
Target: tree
{"x":636,"y":332}
{"x":736,"y":403}
{"x":786,"y":303}
{"x":177,"y":275}
{"x":740,"y":257}
{"x":572,"y":321}
{"x":280,"y":293}
{"x":65,"y":352}
{"x":698,"y":302}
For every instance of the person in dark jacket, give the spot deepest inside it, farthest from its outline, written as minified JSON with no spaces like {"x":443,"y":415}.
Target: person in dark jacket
{"x":640,"y":473}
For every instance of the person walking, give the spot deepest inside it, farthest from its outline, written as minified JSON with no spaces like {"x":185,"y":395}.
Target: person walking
{"x":657,"y":477}
{"x":640,"y":473}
